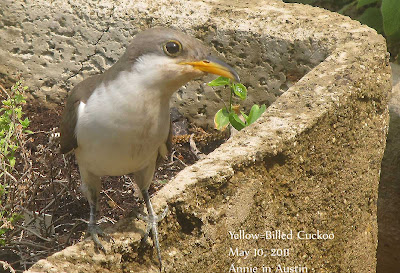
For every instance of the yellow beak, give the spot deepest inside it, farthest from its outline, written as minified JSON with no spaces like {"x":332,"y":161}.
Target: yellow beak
{"x":215,"y":66}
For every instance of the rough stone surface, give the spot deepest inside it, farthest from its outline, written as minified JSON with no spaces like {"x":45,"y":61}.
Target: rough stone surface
{"x":389,"y":188}
{"x":311,"y":162}
{"x":59,"y":43}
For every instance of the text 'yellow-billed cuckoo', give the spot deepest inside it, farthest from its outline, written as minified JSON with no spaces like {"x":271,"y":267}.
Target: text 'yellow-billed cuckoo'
{"x":118,"y":122}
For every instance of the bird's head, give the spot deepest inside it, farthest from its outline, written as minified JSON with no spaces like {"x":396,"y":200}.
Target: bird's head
{"x":167,"y":59}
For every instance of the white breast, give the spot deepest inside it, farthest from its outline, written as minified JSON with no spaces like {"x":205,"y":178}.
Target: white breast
{"x":121,"y":127}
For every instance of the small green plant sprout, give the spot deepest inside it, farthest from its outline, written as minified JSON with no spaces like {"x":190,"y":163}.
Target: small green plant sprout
{"x":13,"y":127}
{"x":162,"y":182}
{"x":231,"y":114}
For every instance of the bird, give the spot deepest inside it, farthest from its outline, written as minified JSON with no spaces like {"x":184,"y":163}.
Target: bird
{"x":118,"y":122}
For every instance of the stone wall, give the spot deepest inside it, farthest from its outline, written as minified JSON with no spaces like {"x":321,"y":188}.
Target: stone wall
{"x":59,"y":43}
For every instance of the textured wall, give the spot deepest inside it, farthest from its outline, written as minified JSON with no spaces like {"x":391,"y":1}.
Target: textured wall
{"x":310,"y":163}
{"x":56,"y":44}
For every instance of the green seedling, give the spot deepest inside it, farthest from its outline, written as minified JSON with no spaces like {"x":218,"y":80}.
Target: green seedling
{"x":12,"y":129}
{"x":162,"y":182}
{"x":231,"y":114}
{"x":12,"y":125}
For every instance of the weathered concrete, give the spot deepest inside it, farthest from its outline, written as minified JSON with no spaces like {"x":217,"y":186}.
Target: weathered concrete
{"x":310,"y":163}
{"x":59,"y":43}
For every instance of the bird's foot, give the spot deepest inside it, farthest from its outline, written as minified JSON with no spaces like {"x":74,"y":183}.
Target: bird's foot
{"x":151,"y":221}
{"x":150,"y":218}
{"x":95,"y":231}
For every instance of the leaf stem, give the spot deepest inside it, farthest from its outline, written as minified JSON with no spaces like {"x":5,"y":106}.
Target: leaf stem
{"x":230,"y":97}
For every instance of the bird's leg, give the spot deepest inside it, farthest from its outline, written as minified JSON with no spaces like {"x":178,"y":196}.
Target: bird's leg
{"x":143,"y":179}
{"x":94,"y":230}
{"x":152,"y":219}
{"x":91,"y":185}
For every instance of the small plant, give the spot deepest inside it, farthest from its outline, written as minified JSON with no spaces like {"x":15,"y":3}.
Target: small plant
{"x":231,"y":114}
{"x":13,"y":127}
{"x":162,"y":182}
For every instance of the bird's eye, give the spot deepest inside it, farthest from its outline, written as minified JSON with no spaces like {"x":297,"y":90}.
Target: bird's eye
{"x":172,"y":48}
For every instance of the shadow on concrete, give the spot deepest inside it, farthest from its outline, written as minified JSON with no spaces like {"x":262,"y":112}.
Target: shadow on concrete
{"x":388,"y":254}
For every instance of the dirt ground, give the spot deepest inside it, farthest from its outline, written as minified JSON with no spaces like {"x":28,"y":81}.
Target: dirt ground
{"x":54,"y":186}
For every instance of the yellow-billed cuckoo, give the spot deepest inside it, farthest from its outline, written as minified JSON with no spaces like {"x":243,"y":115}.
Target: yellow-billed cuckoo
{"x":118,"y":122}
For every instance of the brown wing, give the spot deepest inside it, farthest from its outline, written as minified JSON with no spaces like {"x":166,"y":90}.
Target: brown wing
{"x":80,"y":93}
{"x":168,"y":143}
{"x":68,"y":124}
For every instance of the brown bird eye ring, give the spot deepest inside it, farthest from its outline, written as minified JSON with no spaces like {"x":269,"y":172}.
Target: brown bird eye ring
{"x":172,"y":48}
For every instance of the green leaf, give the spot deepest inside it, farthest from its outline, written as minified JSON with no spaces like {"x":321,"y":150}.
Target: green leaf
{"x":12,"y":162}
{"x":240,"y":90}
{"x":244,"y":115}
{"x":372,"y":17}
{"x":15,"y":217}
{"x":25,"y":122}
{"x":255,"y":113}
{"x":162,"y":182}
{"x":362,"y":3}
{"x":391,"y":16}
{"x":221,"y":119}
{"x":219,"y":81}
{"x":236,"y":122}
{"x":2,"y":190}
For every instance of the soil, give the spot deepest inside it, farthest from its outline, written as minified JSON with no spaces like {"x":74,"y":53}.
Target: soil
{"x":54,"y":186}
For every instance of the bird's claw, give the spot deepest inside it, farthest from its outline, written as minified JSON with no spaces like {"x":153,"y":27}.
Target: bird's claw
{"x":95,"y":231}
{"x":151,"y":218}
{"x":151,"y":221}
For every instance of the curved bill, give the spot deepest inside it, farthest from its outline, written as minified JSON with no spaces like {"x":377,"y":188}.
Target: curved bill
{"x":215,"y":66}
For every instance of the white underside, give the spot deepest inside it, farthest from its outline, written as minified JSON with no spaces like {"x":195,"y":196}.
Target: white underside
{"x":122,"y":127}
